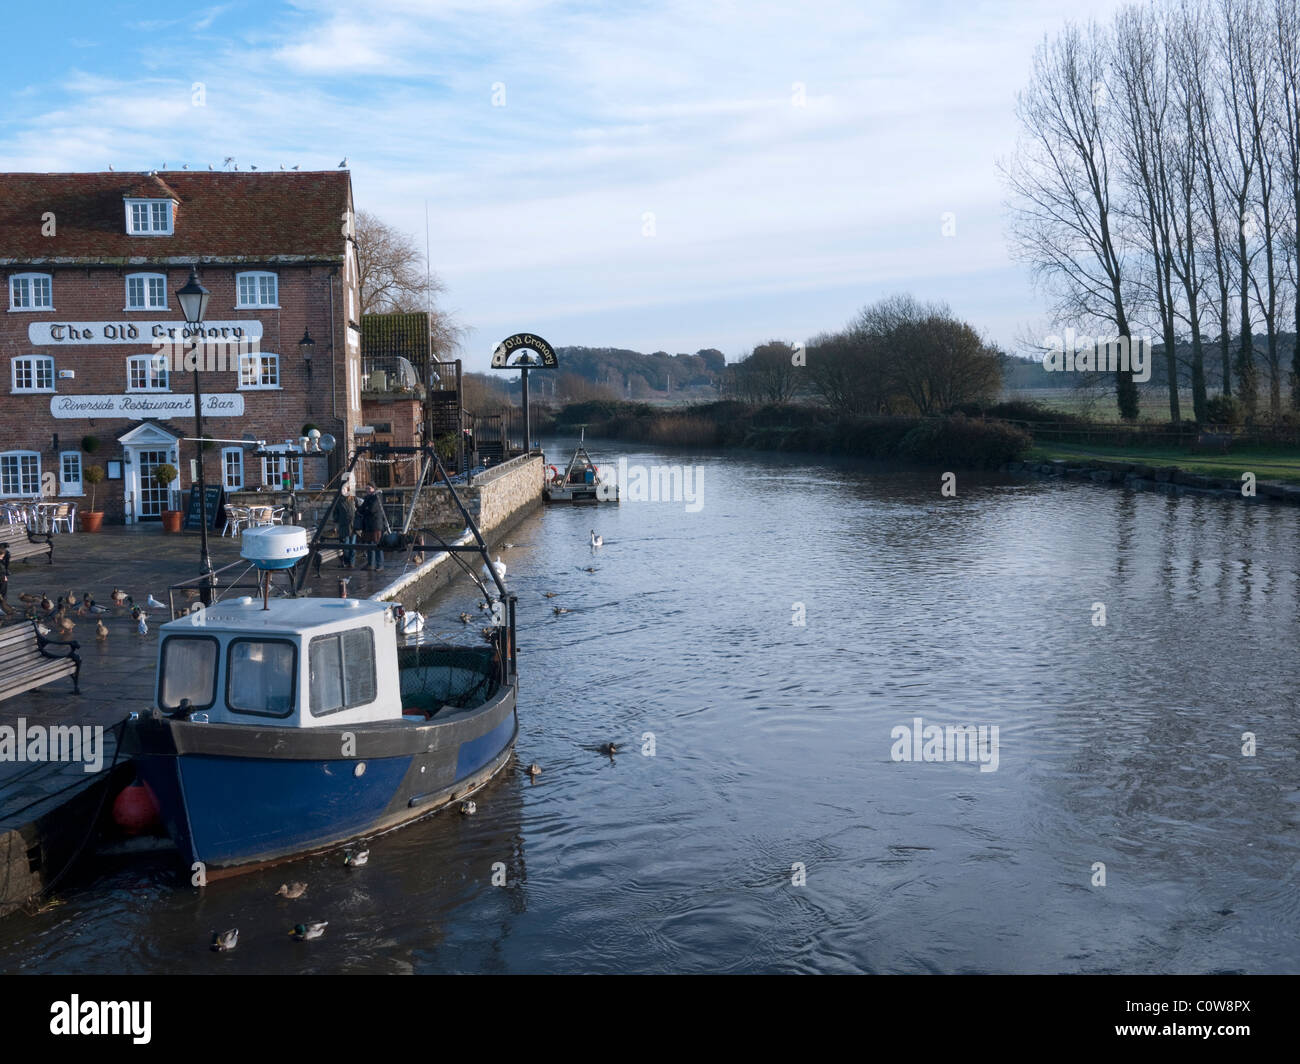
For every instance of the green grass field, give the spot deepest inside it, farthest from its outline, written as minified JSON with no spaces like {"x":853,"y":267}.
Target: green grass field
{"x":1277,"y":464}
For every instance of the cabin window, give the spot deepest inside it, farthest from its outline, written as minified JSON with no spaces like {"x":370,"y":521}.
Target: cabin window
{"x":342,"y":671}
{"x":261,"y":675}
{"x":189,"y":670}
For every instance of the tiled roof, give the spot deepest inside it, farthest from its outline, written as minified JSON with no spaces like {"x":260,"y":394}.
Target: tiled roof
{"x":283,"y":216}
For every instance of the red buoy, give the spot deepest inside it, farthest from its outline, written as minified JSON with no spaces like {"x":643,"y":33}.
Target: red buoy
{"x":135,"y":810}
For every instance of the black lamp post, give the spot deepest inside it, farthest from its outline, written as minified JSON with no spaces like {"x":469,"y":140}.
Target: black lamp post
{"x":193,"y":299}
{"x":305,"y":346}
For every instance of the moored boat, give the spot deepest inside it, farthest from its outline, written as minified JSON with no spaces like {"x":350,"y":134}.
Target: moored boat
{"x":285,"y":726}
{"x":582,"y":480}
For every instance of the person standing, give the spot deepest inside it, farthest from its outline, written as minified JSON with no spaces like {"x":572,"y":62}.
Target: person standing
{"x":373,"y":521}
{"x":345,"y":517}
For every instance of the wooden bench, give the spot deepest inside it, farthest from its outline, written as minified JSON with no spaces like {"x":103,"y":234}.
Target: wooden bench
{"x":25,"y":544}
{"x":27,"y":660}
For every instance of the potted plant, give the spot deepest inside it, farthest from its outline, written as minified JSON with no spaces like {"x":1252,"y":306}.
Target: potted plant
{"x":163,"y":476}
{"x":92,"y":519}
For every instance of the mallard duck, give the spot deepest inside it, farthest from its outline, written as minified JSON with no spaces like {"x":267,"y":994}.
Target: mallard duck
{"x":488,"y":634}
{"x":609,"y":749}
{"x":550,"y":594}
{"x":9,"y":611}
{"x":468,"y":808}
{"x":589,"y":569}
{"x":29,"y":600}
{"x":534,"y":770}
{"x":557,"y":610}
{"x":119,"y":597}
{"x":225,"y":941}
{"x":303,"y":932}
{"x":66,"y":625}
{"x":46,"y":604}
{"x":465,"y":618}
{"x":356,"y":858}
{"x":291,"y":890}
{"x":597,"y":541}
{"x":101,"y":630}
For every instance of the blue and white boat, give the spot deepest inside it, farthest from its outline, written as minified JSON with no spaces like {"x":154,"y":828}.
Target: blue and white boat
{"x":285,"y":726}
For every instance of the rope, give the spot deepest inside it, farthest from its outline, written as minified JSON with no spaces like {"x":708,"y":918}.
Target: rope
{"x":94,"y":820}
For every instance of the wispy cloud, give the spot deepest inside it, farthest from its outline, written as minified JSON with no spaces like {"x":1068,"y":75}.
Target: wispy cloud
{"x":796,"y":160}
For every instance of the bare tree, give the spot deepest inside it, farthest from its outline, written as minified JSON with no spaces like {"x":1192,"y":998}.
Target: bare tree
{"x":1065,"y":222}
{"x":1286,"y":53}
{"x":393,"y":275}
{"x":768,"y":374}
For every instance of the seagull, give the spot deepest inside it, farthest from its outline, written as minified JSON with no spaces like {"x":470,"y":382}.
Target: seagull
{"x":211,"y":167}
{"x":154,"y":604}
{"x":225,"y":941}
{"x":110,"y":168}
{"x":185,"y":166}
{"x":344,"y":163}
{"x":282,"y":166}
{"x":302,"y":932}
{"x":597,"y":541}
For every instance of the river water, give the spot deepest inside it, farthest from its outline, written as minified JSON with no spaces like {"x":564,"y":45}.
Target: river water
{"x":756,"y":819}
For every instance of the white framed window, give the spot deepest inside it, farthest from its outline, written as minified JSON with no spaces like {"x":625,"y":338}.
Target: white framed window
{"x":31,"y":291}
{"x":146,"y":217}
{"x":146,"y":291}
{"x":259,"y":371}
{"x":20,"y":474}
{"x":32,"y":373}
{"x":256,"y":289}
{"x":232,"y":468}
{"x":147,"y":373}
{"x":275,"y":465}
{"x":70,"y":473}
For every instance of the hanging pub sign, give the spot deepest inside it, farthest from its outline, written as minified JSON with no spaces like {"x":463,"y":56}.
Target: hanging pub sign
{"x":513,"y":353}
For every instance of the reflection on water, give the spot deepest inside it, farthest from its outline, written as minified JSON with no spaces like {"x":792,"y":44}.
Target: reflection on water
{"x":1119,"y":744}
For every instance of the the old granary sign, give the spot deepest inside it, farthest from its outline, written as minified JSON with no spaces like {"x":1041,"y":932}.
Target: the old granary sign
{"x":137,"y":407}
{"x":516,"y":347}
{"x":56,"y":333}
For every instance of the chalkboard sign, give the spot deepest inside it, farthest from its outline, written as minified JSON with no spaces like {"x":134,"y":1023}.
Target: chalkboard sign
{"x":213,"y":503}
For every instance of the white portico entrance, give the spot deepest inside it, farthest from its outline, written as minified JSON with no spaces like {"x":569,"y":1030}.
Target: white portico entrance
{"x":144,"y":449}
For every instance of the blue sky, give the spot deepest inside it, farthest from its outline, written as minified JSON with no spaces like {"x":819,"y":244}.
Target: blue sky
{"x":798,"y":158}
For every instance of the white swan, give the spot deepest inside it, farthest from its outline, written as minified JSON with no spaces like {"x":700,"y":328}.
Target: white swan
{"x":499,"y":566}
{"x":597,"y":541}
{"x":413,"y":622}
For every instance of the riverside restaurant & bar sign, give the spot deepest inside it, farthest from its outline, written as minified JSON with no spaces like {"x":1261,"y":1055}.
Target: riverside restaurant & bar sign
{"x":137,"y":407}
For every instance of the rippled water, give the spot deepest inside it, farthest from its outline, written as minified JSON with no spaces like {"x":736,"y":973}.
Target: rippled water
{"x":1118,"y":744}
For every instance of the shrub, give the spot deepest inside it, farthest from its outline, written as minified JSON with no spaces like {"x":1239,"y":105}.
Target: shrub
{"x":1224,"y":410}
{"x":90,"y":444}
{"x":94,"y":476}
{"x":960,"y":441}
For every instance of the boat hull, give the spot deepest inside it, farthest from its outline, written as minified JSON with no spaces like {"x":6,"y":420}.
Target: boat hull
{"x":239,"y":797}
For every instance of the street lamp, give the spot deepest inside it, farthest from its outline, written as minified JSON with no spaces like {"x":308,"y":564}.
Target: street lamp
{"x":305,"y":346}
{"x":193,"y":299}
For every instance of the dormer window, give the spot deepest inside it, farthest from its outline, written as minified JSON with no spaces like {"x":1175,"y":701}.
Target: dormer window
{"x":31,"y":291}
{"x":149,"y":217}
{"x":146,"y":291}
{"x":257,"y":289}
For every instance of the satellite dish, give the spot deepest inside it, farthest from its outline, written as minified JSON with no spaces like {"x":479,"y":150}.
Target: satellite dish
{"x":327,"y":442}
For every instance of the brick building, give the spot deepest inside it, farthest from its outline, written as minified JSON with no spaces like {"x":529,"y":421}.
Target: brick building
{"x":96,"y":352}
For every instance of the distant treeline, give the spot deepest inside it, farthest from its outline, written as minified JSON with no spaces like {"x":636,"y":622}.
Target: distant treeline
{"x":956,"y":441}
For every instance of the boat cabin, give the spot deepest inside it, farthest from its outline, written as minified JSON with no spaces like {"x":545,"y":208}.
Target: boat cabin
{"x":301,"y":663}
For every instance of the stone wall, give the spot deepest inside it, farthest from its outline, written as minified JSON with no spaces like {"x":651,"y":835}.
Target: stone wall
{"x":495,"y":498}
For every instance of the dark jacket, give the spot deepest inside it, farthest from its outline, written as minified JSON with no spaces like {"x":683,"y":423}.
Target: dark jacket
{"x":345,"y":515}
{"x":370,"y":514}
